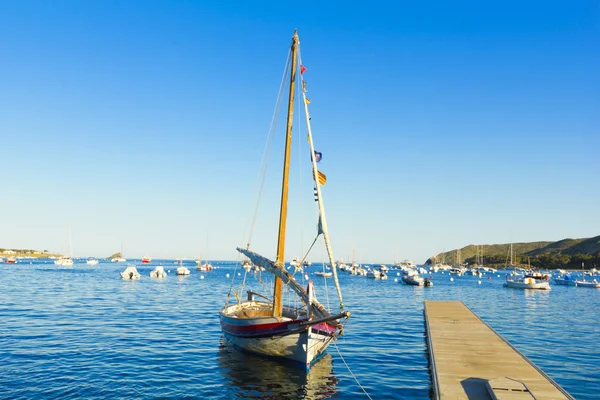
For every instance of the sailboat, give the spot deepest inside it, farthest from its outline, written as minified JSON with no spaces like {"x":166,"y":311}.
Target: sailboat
{"x":118,"y":257}
{"x":586,"y":284}
{"x":297,"y":332}
{"x":66,"y":261}
{"x":526,"y":282}
{"x":206,"y":265}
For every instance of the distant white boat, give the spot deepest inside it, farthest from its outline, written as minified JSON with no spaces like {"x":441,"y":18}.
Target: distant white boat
{"x":181,"y":270}
{"x":324,"y":274}
{"x":594,"y":284}
{"x":203,"y":266}
{"x":416,"y":280}
{"x":119,"y":258}
{"x":158,"y":273}
{"x":588,"y":284}
{"x":130,"y":272}
{"x":526,"y":283}
{"x":66,"y":261}
{"x":92,"y":261}
{"x":376,"y":273}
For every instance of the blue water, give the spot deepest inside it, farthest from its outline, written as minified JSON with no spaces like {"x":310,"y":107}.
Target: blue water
{"x":82,"y":332}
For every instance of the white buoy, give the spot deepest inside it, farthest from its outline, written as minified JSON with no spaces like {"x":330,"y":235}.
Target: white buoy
{"x":306,"y":276}
{"x":227,"y":276}
{"x":479,"y":282}
{"x":451,"y":279}
{"x":498,"y":276}
{"x":397,"y":273}
{"x":201,"y":276}
{"x":395,"y":279}
{"x":442,"y":272}
{"x":239,"y":274}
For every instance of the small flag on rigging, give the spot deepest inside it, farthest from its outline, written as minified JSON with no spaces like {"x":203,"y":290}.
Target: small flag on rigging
{"x":316,"y":194}
{"x":304,"y":86}
{"x":318,"y":156}
{"x":302,"y":69}
{"x":307,"y":100}
{"x":322,"y":178}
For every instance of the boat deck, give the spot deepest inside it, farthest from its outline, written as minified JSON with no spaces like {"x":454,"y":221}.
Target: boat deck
{"x":467,"y":358}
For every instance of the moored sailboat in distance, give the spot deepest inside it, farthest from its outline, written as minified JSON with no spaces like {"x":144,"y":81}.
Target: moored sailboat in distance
{"x":525,"y":282}
{"x":66,"y":261}
{"x":298,"y":333}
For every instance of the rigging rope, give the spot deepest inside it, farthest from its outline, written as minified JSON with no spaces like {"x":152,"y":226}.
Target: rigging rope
{"x":351,"y":373}
{"x":269,"y":144}
{"x":264,"y":163}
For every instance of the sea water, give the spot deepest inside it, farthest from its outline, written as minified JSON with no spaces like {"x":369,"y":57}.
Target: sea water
{"x":83,"y":332}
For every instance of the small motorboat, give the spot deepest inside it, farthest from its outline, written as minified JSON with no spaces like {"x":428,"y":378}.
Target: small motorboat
{"x":526,"y":283}
{"x":130,"y":272}
{"x":92,"y":261}
{"x":414,"y":280}
{"x":158,"y":273}
{"x":565,"y":280}
{"x":181,"y":270}
{"x":324,"y":274}
{"x":588,"y":284}
{"x":204,"y":267}
{"x":146,"y":260}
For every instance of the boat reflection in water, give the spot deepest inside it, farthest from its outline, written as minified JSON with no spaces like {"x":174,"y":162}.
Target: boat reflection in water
{"x":255,"y":377}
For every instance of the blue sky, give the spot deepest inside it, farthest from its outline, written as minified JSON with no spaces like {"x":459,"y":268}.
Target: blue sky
{"x":442,"y":124}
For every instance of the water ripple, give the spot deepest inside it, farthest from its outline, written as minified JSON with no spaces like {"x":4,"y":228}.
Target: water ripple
{"x":85,"y":333}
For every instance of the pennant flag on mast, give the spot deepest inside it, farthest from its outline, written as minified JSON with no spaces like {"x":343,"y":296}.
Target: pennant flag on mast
{"x":302,"y":69}
{"x":322,"y":178}
{"x":307,"y":100}
{"x":316,"y":194}
{"x":304,"y":86}
{"x":318,"y":156}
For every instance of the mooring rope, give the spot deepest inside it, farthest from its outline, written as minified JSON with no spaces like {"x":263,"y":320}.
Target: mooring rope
{"x":351,"y":373}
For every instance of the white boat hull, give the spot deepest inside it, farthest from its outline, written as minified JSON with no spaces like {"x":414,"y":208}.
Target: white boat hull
{"x":586,"y":284}
{"x":524,"y":285}
{"x":281,"y":338}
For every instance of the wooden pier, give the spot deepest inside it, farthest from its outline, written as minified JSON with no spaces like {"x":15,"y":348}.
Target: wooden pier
{"x":469,"y":360}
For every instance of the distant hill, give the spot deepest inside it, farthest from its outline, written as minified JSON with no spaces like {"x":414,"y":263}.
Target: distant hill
{"x":565,"y":253}
{"x":116,"y":255}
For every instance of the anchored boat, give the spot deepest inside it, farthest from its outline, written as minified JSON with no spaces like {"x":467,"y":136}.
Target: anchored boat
{"x":299,"y":332}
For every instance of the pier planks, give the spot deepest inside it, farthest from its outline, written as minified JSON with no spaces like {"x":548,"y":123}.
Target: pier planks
{"x":465,"y":353}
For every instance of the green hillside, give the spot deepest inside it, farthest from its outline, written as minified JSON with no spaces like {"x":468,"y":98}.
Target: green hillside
{"x":565,"y":254}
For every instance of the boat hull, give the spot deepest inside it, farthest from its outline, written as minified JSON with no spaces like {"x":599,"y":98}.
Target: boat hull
{"x":565,"y":282}
{"x":523,"y":285}
{"x":413,"y":281}
{"x":280,"y":338}
{"x":585,"y":284}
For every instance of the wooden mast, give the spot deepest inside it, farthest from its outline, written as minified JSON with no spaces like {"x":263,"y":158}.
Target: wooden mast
{"x":278,"y":290}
